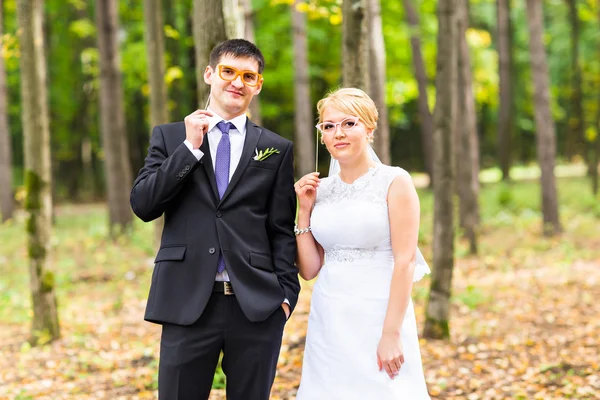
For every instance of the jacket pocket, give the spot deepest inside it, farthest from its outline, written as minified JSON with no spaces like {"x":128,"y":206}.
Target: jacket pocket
{"x":263,"y":164}
{"x":261,"y":261}
{"x":170,"y":253}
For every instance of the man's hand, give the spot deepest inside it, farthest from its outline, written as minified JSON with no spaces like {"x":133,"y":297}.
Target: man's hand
{"x":196,"y":126}
{"x":286,"y":309}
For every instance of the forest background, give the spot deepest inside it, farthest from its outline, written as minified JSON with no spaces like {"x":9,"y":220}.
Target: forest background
{"x":493,"y":106}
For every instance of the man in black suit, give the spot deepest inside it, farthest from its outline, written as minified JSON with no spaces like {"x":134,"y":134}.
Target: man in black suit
{"x":224,"y":277}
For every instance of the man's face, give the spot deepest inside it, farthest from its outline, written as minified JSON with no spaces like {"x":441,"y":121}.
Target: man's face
{"x":232,"y":98}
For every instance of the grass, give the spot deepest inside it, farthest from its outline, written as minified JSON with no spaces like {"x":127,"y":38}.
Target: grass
{"x":82,"y":256}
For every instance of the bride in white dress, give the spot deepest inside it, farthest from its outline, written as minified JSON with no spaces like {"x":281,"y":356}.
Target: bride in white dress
{"x":357,"y":230}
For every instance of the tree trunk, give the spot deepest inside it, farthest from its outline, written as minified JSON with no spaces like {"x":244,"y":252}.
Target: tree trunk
{"x":467,"y":143}
{"x":577,"y":119}
{"x":181,"y":89}
{"x":249,"y":35}
{"x":595,"y":160}
{"x":506,"y":107}
{"x":596,"y":149}
{"x":438,"y":305}
{"x":377,"y":75}
{"x":575,"y":143}
{"x":545,"y":134}
{"x":112,"y":118}
{"x":38,"y":201}
{"x":87,"y":173}
{"x":303,"y":116}
{"x":419,"y":65}
{"x":155,"y":50}
{"x":209,"y":30}
{"x":234,"y":17}
{"x":355,"y":45}
{"x":6,"y":194}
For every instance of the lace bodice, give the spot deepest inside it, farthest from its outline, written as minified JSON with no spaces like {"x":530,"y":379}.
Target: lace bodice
{"x":350,"y":221}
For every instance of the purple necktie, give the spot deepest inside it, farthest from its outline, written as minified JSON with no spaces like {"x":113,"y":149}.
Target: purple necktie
{"x":222,"y":169}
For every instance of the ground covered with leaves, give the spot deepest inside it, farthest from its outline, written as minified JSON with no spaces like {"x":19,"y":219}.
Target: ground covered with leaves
{"x":525,"y":321}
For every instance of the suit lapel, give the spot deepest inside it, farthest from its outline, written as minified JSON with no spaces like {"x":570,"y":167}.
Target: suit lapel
{"x":206,"y":162}
{"x":252,"y":135}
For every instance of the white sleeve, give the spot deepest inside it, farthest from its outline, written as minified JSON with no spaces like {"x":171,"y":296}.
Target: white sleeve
{"x":196,"y":152}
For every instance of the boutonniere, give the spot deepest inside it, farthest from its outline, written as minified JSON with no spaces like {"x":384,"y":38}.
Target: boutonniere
{"x":264,"y":154}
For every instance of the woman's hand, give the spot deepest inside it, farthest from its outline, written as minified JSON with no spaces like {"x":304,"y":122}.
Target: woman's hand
{"x":306,"y":190}
{"x":390,"y":355}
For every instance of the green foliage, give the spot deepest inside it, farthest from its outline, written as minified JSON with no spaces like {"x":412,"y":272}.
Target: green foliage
{"x":73,"y":76}
{"x":472,"y":297}
{"x":24,"y":396}
{"x":219,"y":379}
{"x":83,"y":28}
{"x":505,"y":197}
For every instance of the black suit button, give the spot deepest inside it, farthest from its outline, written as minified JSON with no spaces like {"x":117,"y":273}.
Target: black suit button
{"x":212,"y":250}
{"x":219,"y":214}
{"x":181,"y":174}
{"x":187,"y":167}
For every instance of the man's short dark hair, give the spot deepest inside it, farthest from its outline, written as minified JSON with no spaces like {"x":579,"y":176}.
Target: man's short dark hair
{"x":237,"y":48}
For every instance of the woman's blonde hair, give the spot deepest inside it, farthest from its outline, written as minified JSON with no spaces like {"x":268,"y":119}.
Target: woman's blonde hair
{"x":351,"y":101}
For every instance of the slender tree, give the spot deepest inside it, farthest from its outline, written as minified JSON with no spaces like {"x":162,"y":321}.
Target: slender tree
{"x":575,"y":137}
{"x":595,"y":158}
{"x":177,"y":14}
{"x":209,"y":30}
{"x":112,"y":118}
{"x":426,"y":118}
{"x":234,"y":17}
{"x":255,"y":114}
{"x":506,"y":107}
{"x":303,"y":116}
{"x":596,"y":150}
{"x":377,"y":76}
{"x":544,"y":124}
{"x":438,"y":305}
{"x":467,"y":142}
{"x":155,"y":51}
{"x":38,"y":202}
{"x":6,"y":194}
{"x":354,"y":44}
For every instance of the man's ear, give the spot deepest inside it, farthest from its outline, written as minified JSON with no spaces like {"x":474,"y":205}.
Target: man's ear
{"x":208,"y":73}
{"x":258,"y":87}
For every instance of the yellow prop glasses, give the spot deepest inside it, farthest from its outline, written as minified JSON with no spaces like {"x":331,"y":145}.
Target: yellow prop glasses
{"x":229,"y":74}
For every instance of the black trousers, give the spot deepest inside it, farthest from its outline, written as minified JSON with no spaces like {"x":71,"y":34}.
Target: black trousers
{"x":189,"y":354}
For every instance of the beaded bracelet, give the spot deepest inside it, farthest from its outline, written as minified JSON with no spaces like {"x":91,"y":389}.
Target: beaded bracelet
{"x":300,"y":231}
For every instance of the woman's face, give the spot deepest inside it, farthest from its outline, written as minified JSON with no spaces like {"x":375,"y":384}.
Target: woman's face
{"x":344,"y":135}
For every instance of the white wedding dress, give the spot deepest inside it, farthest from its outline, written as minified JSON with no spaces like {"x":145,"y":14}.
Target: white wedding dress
{"x":350,"y":296}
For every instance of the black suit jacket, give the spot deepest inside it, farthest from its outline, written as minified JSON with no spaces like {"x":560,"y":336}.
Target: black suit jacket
{"x":252,"y":225}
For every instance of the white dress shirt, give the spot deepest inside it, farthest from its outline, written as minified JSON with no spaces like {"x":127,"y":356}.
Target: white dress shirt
{"x":236,"y":140}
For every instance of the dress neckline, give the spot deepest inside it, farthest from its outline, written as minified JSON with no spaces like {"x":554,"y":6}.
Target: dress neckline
{"x":367,"y":174}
